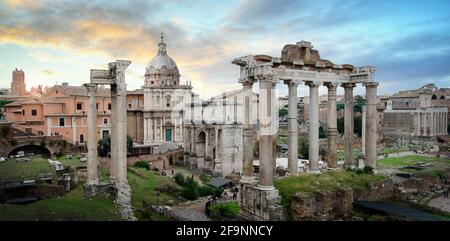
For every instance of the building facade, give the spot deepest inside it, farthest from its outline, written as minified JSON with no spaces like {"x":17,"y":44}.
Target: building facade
{"x":416,"y":114}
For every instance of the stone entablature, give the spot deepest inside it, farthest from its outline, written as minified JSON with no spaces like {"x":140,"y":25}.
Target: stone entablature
{"x":305,"y":69}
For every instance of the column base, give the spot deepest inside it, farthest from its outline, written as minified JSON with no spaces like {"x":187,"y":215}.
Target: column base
{"x":103,"y":188}
{"x":266,"y":188}
{"x":248,"y":180}
{"x":124,"y":201}
{"x":260,"y":205}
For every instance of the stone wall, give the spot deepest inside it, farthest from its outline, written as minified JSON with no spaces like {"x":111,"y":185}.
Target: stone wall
{"x":377,"y":191}
{"x":322,"y":205}
{"x":260,"y":205}
{"x":41,"y":192}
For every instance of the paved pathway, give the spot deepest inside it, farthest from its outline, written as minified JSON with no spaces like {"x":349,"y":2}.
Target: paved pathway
{"x":395,"y":210}
{"x":440,"y":203}
{"x":194,"y":212}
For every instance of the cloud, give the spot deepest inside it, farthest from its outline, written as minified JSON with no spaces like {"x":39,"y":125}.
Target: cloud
{"x":387,"y":35}
{"x":47,"y":72}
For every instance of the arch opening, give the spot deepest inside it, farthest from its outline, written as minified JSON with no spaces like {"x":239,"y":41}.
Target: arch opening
{"x":28,"y":149}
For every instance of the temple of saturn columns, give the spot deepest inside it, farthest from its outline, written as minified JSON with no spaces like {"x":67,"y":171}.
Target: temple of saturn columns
{"x":299,"y":63}
{"x":115,"y":77}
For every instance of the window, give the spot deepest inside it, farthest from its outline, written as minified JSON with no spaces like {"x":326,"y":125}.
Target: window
{"x":23,"y":112}
{"x":61,"y":121}
{"x":105,"y":121}
{"x":79,"y":106}
{"x":96,"y":106}
{"x":34,"y":112}
{"x":109,"y":106}
{"x":129,"y":105}
{"x":168,"y":102}
{"x":151,"y":82}
{"x":81,"y":138}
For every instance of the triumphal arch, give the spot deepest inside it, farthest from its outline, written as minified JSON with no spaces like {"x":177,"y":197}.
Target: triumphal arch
{"x":299,"y":63}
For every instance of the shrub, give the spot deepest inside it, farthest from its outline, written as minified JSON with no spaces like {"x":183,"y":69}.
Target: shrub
{"x":42,"y":144}
{"x":228,"y":210}
{"x":368,"y":170}
{"x":168,"y":188}
{"x":179,"y":179}
{"x":142,"y":164}
{"x":190,"y":193}
{"x":204,"y":177}
{"x":64,"y":143}
{"x":5,"y":131}
{"x":13,"y":142}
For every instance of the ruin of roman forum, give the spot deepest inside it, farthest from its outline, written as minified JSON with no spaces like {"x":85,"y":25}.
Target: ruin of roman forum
{"x":242,"y":110}
{"x":299,"y":63}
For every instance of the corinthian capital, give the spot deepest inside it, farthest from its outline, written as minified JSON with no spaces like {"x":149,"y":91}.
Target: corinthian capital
{"x":91,"y":88}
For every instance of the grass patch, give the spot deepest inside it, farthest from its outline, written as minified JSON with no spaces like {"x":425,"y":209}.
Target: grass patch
{"x":224,"y":210}
{"x":11,"y":169}
{"x":143,"y":184}
{"x":409,"y":160}
{"x":73,"y":206}
{"x":328,"y":180}
{"x":74,"y":162}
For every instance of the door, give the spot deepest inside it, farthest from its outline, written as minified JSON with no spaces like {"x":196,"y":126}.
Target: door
{"x":168,"y":134}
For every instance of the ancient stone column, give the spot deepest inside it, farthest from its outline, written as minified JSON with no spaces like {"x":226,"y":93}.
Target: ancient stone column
{"x":371,"y":124}
{"x":445,"y":123}
{"x":268,"y":130}
{"x":431,"y":123}
{"x":332,"y":125}
{"x":113,"y":134}
{"x":206,"y":143}
{"x":425,"y":124}
{"x":363,"y":130}
{"x":313,"y":125}
{"x":418,"y":123}
{"x":216,"y":143}
{"x":293,"y":128}
{"x":92,"y":162}
{"x":348,"y":124}
{"x":192,"y":139}
{"x":248,"y":133}
{"x":121,"y":123}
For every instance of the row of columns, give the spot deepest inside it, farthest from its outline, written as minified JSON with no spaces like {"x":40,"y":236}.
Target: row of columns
{"x":268,"y":130}
{"x":152,"y":125}
{"x":431,"y":123}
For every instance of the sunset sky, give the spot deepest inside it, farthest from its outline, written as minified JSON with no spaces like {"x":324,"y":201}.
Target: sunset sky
{"x":60,"y":41}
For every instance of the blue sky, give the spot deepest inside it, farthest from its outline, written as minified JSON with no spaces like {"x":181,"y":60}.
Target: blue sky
{"x":59,"y":41}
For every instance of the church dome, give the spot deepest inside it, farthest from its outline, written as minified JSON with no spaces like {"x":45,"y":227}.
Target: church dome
{"x":161,"y":63}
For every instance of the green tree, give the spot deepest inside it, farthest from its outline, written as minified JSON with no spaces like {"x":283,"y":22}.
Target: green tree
{"x":322,"y":132}
{"x":303,"y":148}
{"x":357,"y":125}
{"x":2,"y":104}
{"x":282,"y":112}
{"x":104,"y":145}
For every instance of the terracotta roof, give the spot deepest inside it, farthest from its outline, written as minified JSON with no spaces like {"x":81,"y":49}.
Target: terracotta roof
{"x":80,"y":90}
{"x":135,"y":92}
{"x":35,"y":100}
